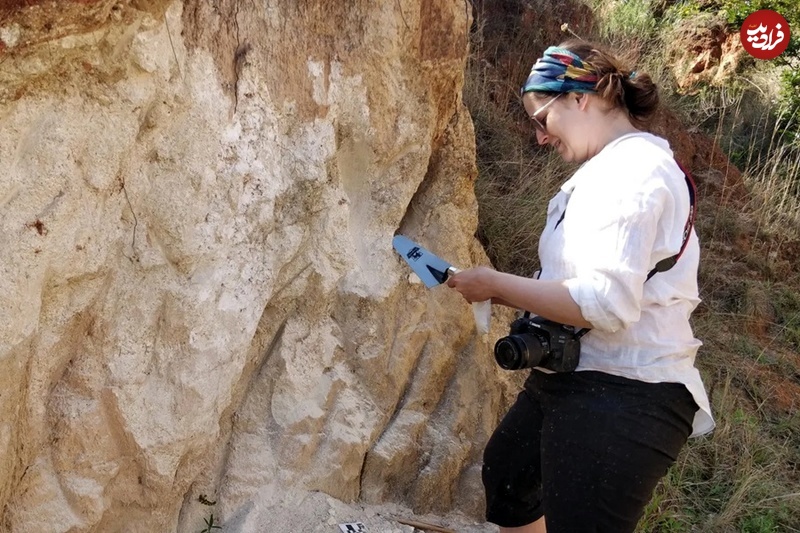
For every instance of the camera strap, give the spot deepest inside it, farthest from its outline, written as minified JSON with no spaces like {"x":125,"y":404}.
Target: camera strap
{"x":669,"y":262}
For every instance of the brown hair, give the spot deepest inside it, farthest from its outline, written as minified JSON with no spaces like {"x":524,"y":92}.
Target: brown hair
{"x":623,"y":88}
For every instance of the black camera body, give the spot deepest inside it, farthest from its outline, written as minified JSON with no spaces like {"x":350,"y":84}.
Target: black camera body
{"x":535,"y":341}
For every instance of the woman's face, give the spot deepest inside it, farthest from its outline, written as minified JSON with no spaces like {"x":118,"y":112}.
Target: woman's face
{"x":561,"y":122}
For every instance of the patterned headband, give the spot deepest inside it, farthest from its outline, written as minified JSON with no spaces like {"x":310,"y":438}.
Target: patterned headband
{"x":561,"y":71}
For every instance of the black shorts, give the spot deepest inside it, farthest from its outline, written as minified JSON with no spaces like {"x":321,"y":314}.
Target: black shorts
{"x":585,"y":450}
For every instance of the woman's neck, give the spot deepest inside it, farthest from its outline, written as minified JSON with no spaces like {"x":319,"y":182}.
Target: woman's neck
{"x":616,"y":125}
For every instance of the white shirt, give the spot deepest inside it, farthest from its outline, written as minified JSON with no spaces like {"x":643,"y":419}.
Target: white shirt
{"x":626,"y":209}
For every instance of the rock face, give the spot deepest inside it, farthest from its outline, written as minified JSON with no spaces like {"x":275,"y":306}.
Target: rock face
{"x":199,"y":296}
{"x":703,"y":50}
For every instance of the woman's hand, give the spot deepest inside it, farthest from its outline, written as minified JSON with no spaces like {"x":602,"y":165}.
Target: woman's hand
{"x":475,"y":284}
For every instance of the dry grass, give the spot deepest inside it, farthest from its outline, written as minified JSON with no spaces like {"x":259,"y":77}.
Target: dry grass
{"x":750,"y":130}
{"x":516,"y":178}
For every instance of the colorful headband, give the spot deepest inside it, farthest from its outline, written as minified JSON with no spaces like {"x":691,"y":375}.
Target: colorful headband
{"x":561,"y":71}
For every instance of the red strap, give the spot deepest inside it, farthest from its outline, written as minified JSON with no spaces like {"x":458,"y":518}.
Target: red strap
{"x":669,"y":262}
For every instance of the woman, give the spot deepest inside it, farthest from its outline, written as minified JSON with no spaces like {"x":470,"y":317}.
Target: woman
{"x":584,"y":450}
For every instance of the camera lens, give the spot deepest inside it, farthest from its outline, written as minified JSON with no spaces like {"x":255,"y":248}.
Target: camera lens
{"x":515,"y":352}
{"x":507,"y":353}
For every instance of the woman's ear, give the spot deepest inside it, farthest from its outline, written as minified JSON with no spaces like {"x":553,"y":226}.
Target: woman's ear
{"x":582,"y":100}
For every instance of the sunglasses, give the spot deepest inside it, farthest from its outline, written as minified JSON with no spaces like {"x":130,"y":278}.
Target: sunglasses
{"x":541,"y":124}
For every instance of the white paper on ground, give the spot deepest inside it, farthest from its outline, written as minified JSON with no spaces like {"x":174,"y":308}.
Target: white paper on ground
{"x":353,"y":527}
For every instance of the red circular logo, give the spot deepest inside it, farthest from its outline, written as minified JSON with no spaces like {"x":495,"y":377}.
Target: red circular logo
{"x":765,"y":34}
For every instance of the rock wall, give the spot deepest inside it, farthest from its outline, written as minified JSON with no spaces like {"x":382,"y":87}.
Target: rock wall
{"x":200,"y":302}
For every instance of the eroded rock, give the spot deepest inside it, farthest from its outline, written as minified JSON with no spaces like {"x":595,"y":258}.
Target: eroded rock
{"x":200,"y":298}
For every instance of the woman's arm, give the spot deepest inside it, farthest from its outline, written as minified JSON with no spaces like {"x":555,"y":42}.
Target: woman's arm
{"x":550,"y":299}
{"x":500,"y":301}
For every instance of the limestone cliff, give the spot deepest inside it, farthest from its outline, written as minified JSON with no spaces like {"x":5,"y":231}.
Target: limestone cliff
{"x":199,"y":296}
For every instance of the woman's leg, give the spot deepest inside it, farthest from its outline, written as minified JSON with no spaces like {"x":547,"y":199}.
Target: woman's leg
{"x":536,"y":527}
{"x":512,"y":468}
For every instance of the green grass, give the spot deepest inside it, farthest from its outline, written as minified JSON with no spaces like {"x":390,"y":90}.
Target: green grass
{"x":631,"y":21}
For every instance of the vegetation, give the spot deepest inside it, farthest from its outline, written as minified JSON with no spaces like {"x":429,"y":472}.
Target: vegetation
{"x":210,"y":525}
{"x":745,"y":476}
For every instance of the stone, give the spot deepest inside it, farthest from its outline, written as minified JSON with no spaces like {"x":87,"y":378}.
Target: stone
{"x":200,"y":301}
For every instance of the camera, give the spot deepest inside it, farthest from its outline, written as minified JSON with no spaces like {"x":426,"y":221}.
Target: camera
{"x":535,"y":341}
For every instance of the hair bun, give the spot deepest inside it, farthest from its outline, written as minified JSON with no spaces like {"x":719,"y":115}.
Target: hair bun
{"x":630,"y":90}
